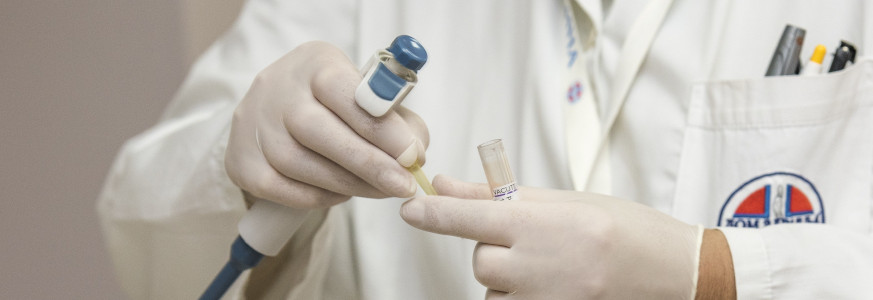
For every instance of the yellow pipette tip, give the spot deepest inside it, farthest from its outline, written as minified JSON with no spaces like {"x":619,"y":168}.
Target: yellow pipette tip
{"x":422,"y":180}
{"x":818,"y":54}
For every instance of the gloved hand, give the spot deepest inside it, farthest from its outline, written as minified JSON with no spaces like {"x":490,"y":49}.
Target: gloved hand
{"x":299,"y":139}
{"x":563,"y":244}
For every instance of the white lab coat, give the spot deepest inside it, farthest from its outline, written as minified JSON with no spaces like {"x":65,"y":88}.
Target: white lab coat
{"x":699,"y":125}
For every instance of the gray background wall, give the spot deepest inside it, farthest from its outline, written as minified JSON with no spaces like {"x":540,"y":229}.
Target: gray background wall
{"x":76,"y":79}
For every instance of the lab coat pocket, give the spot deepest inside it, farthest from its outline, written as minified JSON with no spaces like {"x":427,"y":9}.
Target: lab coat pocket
{"x":776,"y":150}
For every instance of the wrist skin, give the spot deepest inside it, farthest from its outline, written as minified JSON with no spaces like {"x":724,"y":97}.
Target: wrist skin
{"x":716,"y":270}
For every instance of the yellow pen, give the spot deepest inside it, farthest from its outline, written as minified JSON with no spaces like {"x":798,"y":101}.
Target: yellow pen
{"x":813,"y":66}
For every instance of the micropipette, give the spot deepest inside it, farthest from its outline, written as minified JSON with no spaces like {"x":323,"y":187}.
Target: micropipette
{"x":389,"y":75}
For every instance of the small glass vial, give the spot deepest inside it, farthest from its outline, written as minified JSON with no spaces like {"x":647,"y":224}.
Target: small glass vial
{"x":496,"y":165}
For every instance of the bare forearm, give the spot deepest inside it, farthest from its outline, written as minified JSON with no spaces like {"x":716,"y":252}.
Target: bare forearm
{"x":716,"y":279}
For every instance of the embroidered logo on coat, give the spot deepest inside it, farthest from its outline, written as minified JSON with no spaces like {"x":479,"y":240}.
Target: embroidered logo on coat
{"x":771,"y":199}
{"x":574,"y":92}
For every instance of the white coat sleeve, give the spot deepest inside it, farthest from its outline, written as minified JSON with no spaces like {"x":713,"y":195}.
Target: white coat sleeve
{"x":801,"y":261}
{"x":167,"y":209}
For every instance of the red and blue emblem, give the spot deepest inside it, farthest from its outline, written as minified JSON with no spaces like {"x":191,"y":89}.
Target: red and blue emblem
{"x":771,"y":199}
{"x":574,"y":92}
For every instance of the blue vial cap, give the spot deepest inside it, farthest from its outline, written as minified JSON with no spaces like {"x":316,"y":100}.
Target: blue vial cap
{"x":408,"y":52}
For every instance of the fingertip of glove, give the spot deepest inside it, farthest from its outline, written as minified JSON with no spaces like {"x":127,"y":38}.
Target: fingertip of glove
{"x":411,"y":155}
{"x":412,"y":211}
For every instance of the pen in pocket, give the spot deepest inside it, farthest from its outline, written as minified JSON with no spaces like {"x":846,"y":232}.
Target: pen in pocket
{"x":844,"y":54}
{"x":786,"y":58}
{"x":813,"y":66}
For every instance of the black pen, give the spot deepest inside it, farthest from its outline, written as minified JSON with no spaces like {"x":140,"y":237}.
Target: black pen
{"x":845,"y":54}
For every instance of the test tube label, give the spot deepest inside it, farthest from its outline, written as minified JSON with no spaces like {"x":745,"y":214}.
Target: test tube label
{"x":506,"y":192}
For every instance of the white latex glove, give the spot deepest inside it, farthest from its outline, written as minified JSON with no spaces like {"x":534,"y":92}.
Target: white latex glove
{"x":563,"y":244}
{"x":299,"y":139}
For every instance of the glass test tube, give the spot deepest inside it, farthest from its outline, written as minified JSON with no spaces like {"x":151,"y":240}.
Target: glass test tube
{"x":496,"y":165}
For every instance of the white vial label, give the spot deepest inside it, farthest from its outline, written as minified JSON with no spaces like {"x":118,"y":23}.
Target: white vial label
{"x":506,"y":192}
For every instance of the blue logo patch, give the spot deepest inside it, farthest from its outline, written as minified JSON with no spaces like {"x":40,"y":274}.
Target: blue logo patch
{"x":770,"y":199}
